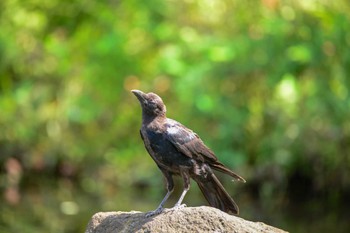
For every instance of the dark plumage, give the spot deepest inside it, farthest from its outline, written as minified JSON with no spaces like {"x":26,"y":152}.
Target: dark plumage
{"x":177,"y":150}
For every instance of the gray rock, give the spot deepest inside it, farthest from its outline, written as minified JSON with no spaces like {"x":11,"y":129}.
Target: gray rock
{"x":189,"y":219}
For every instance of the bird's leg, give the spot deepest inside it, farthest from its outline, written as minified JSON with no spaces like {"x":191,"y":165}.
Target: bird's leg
{"x":170,"y":188}
{"x":187,"y":182}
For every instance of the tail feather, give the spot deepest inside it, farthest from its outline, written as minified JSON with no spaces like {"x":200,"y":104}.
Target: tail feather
{"x":216,"y":195}
{"x":220,"y":167}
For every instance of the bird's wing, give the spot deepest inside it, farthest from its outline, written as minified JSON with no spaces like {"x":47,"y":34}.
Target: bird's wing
{"x":187,"y":142}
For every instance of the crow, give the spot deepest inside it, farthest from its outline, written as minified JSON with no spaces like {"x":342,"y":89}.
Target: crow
{"x":177,"y":150}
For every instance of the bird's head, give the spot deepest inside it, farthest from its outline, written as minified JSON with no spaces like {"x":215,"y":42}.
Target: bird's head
{"x":151,"y":104}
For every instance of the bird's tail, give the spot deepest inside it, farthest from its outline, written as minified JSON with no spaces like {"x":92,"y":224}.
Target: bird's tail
{"x":220,"y":167}
{"x":216,"y":195}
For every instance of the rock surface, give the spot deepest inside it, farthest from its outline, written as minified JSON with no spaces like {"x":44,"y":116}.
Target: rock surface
{"x":189,"y":219}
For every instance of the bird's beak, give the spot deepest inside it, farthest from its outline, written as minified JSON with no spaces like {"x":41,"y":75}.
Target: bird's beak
{"x":141,"y":96}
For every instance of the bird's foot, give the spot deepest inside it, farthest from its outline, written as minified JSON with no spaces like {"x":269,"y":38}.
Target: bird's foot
{"x":178,"y":206}
{"x":157,"y":211}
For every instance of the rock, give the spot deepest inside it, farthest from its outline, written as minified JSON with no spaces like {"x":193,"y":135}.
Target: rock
{"x":189,"y":219}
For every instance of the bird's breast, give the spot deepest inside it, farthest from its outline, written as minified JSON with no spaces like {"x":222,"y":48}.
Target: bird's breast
{"x":164,"y":152}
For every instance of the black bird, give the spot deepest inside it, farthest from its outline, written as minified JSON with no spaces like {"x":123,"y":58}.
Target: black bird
{"x":177,"y":150}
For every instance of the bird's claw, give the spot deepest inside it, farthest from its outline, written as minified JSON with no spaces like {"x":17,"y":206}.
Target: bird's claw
{"x":160,"y":210}
{"x":155,"y":212}
{"x":178,"y":206}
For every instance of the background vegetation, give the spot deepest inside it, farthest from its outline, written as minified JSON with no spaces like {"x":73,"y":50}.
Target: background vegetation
{"x":264,"y":83}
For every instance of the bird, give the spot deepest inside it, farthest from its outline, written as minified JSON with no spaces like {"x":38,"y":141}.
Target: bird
{"x":178,"y":151}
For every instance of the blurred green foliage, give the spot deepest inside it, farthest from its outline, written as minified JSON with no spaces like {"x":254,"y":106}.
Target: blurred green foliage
{"x":264,"y":83}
